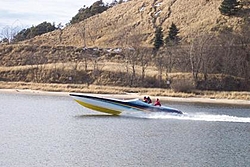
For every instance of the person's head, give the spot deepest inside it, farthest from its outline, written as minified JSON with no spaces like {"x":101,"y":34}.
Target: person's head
{"x":145,"y":97}
{"x":157,"y":99}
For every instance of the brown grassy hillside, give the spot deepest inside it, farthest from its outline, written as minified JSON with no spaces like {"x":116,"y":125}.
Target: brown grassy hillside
{"x":137,"y":19}
{"x":59,"y":57}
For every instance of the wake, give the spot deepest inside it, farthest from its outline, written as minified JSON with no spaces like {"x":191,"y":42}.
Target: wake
{"x":193,"y":117}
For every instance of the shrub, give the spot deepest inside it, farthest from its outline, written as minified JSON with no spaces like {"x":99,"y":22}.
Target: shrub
{"x":183,"y":85}
{"x":229,"y":7}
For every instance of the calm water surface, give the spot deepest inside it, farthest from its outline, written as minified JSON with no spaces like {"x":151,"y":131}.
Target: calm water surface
{"x":55,"y":131}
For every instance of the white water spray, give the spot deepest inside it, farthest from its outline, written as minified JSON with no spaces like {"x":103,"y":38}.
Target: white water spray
{"x":193,"y":117}
{"x":201,"y":117}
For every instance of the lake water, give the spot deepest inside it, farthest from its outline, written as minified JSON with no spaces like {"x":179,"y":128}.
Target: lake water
{"x":54,"y":131}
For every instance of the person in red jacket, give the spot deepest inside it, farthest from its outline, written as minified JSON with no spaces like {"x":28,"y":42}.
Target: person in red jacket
{"x":157,"y":102}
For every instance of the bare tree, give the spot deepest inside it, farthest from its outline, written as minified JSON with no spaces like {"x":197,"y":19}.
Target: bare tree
{"x":245,"y":46}
{"x":200,"y":55}
{"x":243,"y":43}
{"x":81,"y":30}
{"x":171,"y":59}
{"x":87,"y":34}
{"x":85,"y":59}
{"x":131,"y":58}
{"x":9,"y":32}
{"x":97,"y":67}
{"x":40,"y":62}
{"x":145,"y":55}
{"x":138,"y":55}
{"x":227,"y":54}
{"x":159,"y":62}
{"x":60,"y":28}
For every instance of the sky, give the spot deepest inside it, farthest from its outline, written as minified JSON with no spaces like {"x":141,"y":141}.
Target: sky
{"x":25,"y":13}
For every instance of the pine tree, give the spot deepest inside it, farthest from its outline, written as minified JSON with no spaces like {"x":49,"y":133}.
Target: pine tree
{"x":172,"y":38}
{"x":229,"y":7}
{"x":158,"y":39}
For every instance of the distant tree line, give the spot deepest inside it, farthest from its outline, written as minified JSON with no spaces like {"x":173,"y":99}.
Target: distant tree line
{"x":96,"y":8}
{"x":33,"y":31}
{"x":86,"y":12}
{"x":9,"y":34}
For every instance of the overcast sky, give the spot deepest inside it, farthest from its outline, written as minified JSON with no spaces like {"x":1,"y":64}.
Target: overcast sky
{"x":25,"y":13}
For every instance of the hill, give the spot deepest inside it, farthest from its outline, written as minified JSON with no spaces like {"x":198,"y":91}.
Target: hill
{"x":81,"y":53}
{"x":121,"y":24}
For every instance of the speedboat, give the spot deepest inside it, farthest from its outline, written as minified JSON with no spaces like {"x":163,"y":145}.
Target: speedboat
{"x":117,"y":106}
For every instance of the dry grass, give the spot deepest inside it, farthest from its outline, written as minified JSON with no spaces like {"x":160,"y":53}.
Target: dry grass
{"x":225,"y":95}
{"x":116,"y":26}
{"x":82,"y":88}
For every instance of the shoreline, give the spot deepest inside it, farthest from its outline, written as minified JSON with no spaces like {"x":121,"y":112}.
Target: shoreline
{"x":203,"y":100}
